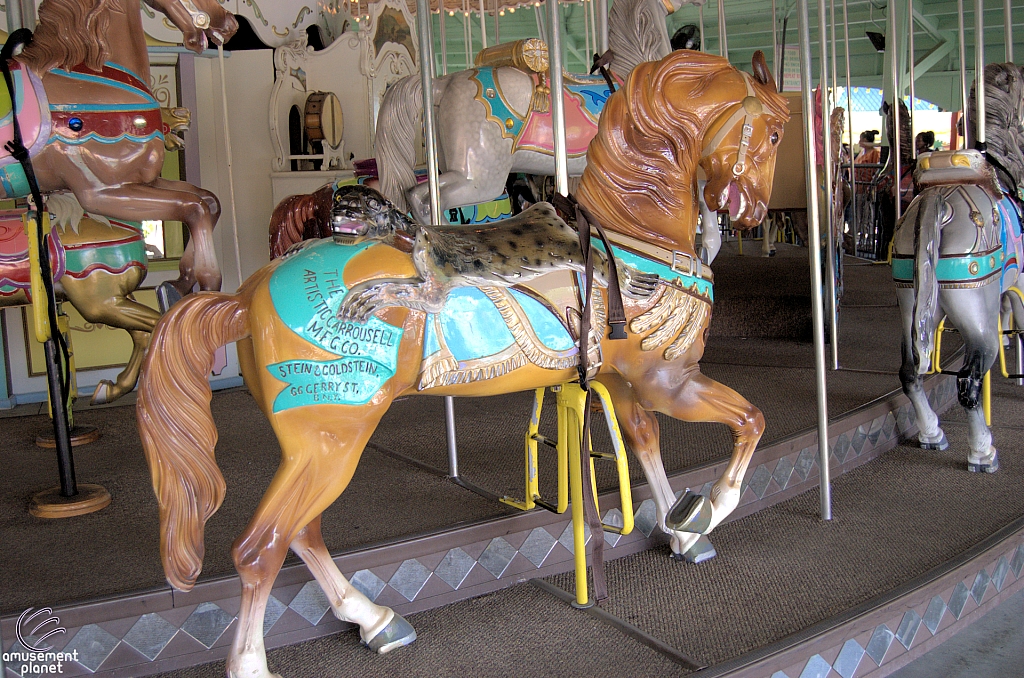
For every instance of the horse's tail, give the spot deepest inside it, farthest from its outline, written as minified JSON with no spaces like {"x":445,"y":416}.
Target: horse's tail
{"x":300,"y":217}
{"x":398,"y":125}
{"x":927,"y":238}
{"x":177,"y":428}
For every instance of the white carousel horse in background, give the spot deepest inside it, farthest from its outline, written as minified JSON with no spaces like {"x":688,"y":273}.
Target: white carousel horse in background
{"x":493,"y":121}
{"x":957,"y":253}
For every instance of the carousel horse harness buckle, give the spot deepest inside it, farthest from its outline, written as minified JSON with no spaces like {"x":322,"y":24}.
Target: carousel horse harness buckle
{"x":748,"y":109}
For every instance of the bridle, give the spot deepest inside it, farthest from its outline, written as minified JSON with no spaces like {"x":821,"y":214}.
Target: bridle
{"x":748,"y":109}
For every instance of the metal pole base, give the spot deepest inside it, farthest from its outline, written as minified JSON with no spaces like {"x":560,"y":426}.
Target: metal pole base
{"x":51,"y":504}
{"x":80,"y":435}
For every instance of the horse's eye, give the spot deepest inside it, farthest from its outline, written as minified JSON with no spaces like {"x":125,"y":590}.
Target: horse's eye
{"x":775,"y":138}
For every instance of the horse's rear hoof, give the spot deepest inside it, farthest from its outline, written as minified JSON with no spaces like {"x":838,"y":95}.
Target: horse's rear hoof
{"x":940,"y":444}
{"x":101,"y":396}
{"x":167,"y":295}
{"x":985,"y":466}
{"x":396,"y":634}
{"x":701,"y":550}
{"x":692,"y":513}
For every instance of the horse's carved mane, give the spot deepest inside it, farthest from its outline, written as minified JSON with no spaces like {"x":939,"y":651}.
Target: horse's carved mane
{"x":1004,"y":117}
{"x":647,"y":144}
{"x":70,"y":32}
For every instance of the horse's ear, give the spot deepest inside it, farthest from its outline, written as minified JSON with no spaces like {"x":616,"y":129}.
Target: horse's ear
{"x":761,"y":71}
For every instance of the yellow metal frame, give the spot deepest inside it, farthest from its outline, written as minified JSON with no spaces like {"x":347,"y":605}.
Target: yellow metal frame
{"x":41,"y":324}
{"x":571,"y":401}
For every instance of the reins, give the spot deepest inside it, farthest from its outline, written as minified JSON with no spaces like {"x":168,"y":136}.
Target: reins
{"x":569,"y":206}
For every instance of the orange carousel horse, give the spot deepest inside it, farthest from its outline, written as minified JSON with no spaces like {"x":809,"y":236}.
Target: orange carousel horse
{"x":325,"y":365}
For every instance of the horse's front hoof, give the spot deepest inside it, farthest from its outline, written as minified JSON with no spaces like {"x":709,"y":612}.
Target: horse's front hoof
{"x":396,"y":634}
{"x":691,"y":513}
{"x":989,"y":464}
{"x":701,"y":550}
{"x":937,"y":444}
{"x":101,"y":396}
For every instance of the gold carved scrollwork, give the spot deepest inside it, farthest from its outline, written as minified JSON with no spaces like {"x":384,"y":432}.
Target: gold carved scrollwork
{"x":677,"y":319}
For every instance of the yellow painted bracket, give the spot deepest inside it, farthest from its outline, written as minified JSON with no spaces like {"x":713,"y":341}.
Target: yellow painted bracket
{"x":571,"y":402}
{"x":41,"y":324}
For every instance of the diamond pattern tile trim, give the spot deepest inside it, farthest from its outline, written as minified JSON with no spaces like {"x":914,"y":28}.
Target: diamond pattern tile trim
{"x":1018,"y":560}
{"x":999,"y":576}
{"x":849,"y":659}
{"x":779,"y":674}
{"x":150,"y":635}
{"x":613,"y":517}
{"x":646,"y":518}
{"x":207,"y":623}
{"x":93,"y":644}
{"x":759,"y":481}
{"x":879,"y":644}
{"x":908,"y":628}
{"x":311,"y":603}
{"x":805,"y":462}
{"x":457,"y":564}
{"x":275,"y":608}
{"x":933,"y":615}
{"x":566,"y":540}
{"x":816,"y":667}
{"x":410,"y":578}
{"x":783,"y":472}
{"x":842,"y":448}
{"x":980,"y":586}
{"x":369,"y":584}
{"x":499,"y":553}
{"x":958,"y":599}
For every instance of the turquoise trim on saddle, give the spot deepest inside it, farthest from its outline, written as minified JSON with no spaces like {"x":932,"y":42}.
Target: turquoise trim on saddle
{"x":952,"y":269}
{"x":306,"y":289}
{"x":111,"y":258}
{"x":704,"y":288}
{"x":14,"y":181}
{"x":490,"y":95}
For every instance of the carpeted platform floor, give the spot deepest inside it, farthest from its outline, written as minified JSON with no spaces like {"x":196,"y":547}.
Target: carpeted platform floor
{"x":57,"y":562}
{"x":778,"y":571}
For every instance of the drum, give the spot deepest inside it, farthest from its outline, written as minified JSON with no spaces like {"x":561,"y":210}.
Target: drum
{"x":323,"y":118}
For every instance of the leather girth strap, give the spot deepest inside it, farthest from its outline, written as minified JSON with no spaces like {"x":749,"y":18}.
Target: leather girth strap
{"x":617,"y":322}
{"x":602,"y":63}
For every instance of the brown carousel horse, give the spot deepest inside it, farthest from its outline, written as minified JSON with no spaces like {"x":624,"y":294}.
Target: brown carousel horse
{"x":325,"y":381}
{"x":93,"y":127}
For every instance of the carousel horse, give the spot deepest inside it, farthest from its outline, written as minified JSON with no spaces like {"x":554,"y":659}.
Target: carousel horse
{"x":325,"y":382}
{"x":92,"y":126}
{"x":97,"y":263}
{"x":957,"y":253}
{"x":495,"y":119}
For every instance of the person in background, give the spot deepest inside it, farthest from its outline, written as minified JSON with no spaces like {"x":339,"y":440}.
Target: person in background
{"x":868,"y":155}
{"x":924,"y":142}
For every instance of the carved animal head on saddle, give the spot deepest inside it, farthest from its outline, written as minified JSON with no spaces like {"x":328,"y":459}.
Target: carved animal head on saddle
{"x":360,"y":213}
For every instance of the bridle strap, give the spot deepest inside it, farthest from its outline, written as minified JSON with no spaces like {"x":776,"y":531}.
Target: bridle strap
{"x":748,"y":109}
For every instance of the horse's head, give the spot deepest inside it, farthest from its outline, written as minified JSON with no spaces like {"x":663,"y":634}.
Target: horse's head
{"x":201,"y":22}
{"x":739,"y":146}
{"x":360,"y":213}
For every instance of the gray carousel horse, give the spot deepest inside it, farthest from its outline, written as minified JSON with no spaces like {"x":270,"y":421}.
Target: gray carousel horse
{"x":495,"y":119}
{"x":957,"y":253}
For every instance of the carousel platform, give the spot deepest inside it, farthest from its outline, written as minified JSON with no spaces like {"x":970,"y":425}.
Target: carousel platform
{"x":918,"y":547}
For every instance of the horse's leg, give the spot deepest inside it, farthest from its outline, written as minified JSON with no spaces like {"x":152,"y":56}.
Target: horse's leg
{"x":930,"y":436}
{"x":379,"y":627}
{"x":641,"y":433}
{"x":974,"y":313}
{"x":169,"y":201}
{"x":106,"y":298}
{"x":318,"y":457}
